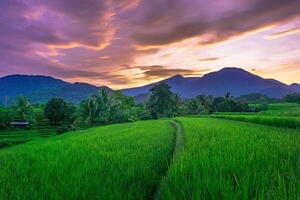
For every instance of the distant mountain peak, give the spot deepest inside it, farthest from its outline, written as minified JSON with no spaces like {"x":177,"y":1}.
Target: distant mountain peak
{"x":233,"y":70}
{"x":235,"y":80}
{"x":295,"y":84}
{"x":177,"y":76}
{"x":26,"y":76}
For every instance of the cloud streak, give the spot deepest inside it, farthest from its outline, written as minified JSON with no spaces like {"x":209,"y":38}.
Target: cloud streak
{"x":284,"y":33}
{"x":209,"y":59}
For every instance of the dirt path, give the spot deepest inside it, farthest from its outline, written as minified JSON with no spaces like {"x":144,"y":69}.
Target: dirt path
{"x":177,"y":148}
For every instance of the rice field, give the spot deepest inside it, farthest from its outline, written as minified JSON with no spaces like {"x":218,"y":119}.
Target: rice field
{"x":41,"y":129}
{"x":234,"y":160}
{"x":278,"y":121}
{"x":216,"y":157}
{"x":122,"y":161}
{"x":283,"y":109}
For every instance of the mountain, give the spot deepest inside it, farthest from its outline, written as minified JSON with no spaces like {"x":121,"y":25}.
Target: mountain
{"x":73,"y":93}
{"x":42,"y":88}
{"x":234,"y":80}
{"x":14,"y":85}
{"x":295,"y":86}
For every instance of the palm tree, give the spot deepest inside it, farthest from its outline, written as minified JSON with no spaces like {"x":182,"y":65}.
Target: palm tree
{"x":90,"y":110}
{"x":23,"y":108}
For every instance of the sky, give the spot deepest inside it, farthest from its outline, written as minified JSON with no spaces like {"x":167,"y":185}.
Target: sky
{"x":126,"y":43}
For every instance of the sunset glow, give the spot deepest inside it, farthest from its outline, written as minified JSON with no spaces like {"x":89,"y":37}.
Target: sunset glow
{"x":125,"y":43}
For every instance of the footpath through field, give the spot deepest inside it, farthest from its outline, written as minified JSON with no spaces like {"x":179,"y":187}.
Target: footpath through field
{"x":177,"y":148}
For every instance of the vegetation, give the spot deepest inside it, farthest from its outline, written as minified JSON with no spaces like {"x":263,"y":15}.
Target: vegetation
{"x":58,"y":111}
{"x":23,"y":109}
{"x":6,"y":116}
{"x":213,"y":158}
{"x":293,"y":98}
{"x":229,"y":160}
{"x":200,"y":104}
{"x":112,"y":162}
{"x":203,"y":104}
{"x":282,"y":109}
{"x":40,"y":129}
{"x":162,"y":102}
{"x":278,"y":121}
{"x":106,"y":108}
{"x":256,"y":98}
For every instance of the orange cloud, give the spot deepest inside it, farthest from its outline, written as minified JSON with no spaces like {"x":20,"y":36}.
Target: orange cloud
{"x":209,"y":59}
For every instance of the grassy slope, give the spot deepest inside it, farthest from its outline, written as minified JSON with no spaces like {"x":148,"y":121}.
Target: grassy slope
{"x":113,"y":162}
{"x":234,"y":160}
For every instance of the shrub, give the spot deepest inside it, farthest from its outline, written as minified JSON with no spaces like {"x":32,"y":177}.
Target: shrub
{"x":62,"y":129}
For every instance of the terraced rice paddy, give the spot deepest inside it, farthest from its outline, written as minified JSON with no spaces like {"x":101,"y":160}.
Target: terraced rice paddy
{"x":41,"y":129}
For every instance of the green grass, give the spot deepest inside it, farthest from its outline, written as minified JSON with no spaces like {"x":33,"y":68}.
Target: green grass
{"x":234,"y":160}
{"x":122,"y":161}
{"x":275,"y":109}
{"x":278,"y":121}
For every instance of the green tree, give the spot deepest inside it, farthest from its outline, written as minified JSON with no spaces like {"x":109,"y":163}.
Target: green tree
{"x":104,"y":101}
{"x":122,"y":108}
{"x":228,"y":104}
{"x":6,"y":116}
{"x":23,"y":109}
{"x":89,"y":110}
{"x":205,"y":102}
{"x":293,"y":98}
{"x":162,"y":101}
{"x":56,"y":110}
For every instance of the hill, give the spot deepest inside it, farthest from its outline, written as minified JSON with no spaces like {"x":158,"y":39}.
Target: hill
{"x":295,"y":86}
{"x":234,"y":80}
{"x":73,"y":93}
{"x":42,"y":88}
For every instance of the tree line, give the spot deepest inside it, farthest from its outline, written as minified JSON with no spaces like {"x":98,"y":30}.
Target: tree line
{"x":108,"y":107}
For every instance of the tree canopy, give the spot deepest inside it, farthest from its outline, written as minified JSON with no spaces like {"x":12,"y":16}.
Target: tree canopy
{"x":163,"y":102}
{"x":57,"y":111}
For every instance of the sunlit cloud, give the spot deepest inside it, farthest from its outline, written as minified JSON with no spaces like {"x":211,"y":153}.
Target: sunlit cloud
{"x":209,"y":59}
{"x":284,"y":33}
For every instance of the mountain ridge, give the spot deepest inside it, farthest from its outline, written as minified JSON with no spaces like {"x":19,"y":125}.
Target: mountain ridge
{"x":40,"y":89}
{"x":237,"y":81}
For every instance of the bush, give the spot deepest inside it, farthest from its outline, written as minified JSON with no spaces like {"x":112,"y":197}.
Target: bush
{"x":62,"y":129}
{"x":292,"y":98}
{"x":261,"y":107}
{"x":5,"y":117}
{"x":142,"y":113}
